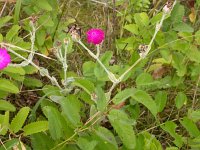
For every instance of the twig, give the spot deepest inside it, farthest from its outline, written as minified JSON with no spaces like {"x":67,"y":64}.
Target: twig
{"x":4,"y":6}
{"x":195,"y":93}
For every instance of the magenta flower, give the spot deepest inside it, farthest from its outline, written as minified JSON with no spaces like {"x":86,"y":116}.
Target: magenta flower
{"x":4,"y":58}
{"x":95,"y":36}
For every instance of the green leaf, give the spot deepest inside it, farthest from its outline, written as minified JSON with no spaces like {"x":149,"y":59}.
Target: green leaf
{"x":85,"y":144}
{"x":172,"y":148}
{"x":43,"y":4}
{"x":194,"y":115}
{"x":183,"y":27}
{"x":107,"y":137}
{"x":197,"y":36}
{"x":88,"y":69}
{"x":170,"y":127}
{"x":161,"y":99}
{"x":101,"y":99}
{"x":7,"y":106}
{"x":99,"y":71}
{"x":5,"y":123}
{"x":4,"y":20}
{"x":194,"y":143}
{"x":12,"y":32}
{"x":41,"y":141}
{"x":19,"y":119}
{"x":133,"y":28}
{"x":35,"y":127}
{"x":32,"y":82}
{"x":141,"y":19}
{"x":179,"y":64}
{"x":9,"y":144}
{"x":8,"y":86}
{"x":1,"y":37}
{"x":177,"y":13}
{"x":40,"y":36}
{"x":190,"y":126}
{"x":193,"y":53}
{"x":144,"y":79}
{"x":55,"y":124}
{"x":123,"y":95}
{"x":30,"y":69}
{"x":86,"y":85}
{"x":71,"y":108}
{"x":15,"y":70}
{"x":150,"y":142}
{"x":123,"y":126}
{"x":145,"y":99}
{"x":46,"y":20}
{"x":17,"y":11}
{"x":180,"y":99}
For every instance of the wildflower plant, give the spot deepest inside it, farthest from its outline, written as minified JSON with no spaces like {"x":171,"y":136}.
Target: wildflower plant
{"x":98,"y":107}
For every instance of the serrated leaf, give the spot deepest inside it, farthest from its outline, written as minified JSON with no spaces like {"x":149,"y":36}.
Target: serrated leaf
{"x":190,"y":126}
{"x":123,"y":95}
{"x":41,"y":141}
{"x":7,"y":106}
{"x":172,"y":148}
{"x":85,"y":144}
{"x":9,"y":144}
{"x":183,"y":27}
{"x":150,"y":142}
{"x":30,"y":69}
{"x":179,"y":64}
{"x":19,"y":119}
{"x":193,"y":54}
{"x":15,"y":70}
{"x":133,"y":28}
{"x":5,"y":123}
{"x":194,"y":115}
{"x":55,"y":124}
{"x":71,"y":108}
{"x":40,"y":36}
{"x":46,"y":20}
{"x":123,"y":126}
{"x":105,"y":135}
{"x":144,"y":79}
{"x":180,"y":99}
{"x":177,"y":13}
{"x":12,"y":32}
{"x":145,"y":99}
{"x":17,"y":11}
{"x":86,"y":85}
{"x":170,"y":127}
{"x":161,"y":99}
{"x":32,"y":82}
{"x":43,"y":4}
{"x":8,"y":86}
{"x":141,"y":19}
{"x":4,"y":20}
{"x":35,"y":127}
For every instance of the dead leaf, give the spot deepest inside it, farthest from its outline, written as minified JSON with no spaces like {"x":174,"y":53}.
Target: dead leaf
{"x":159,"y":72}
{"x":118,"y":106}
{"x":192,"y":15}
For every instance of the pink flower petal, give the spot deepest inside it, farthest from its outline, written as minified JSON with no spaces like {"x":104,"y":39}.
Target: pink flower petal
{"x":95,"y":36}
